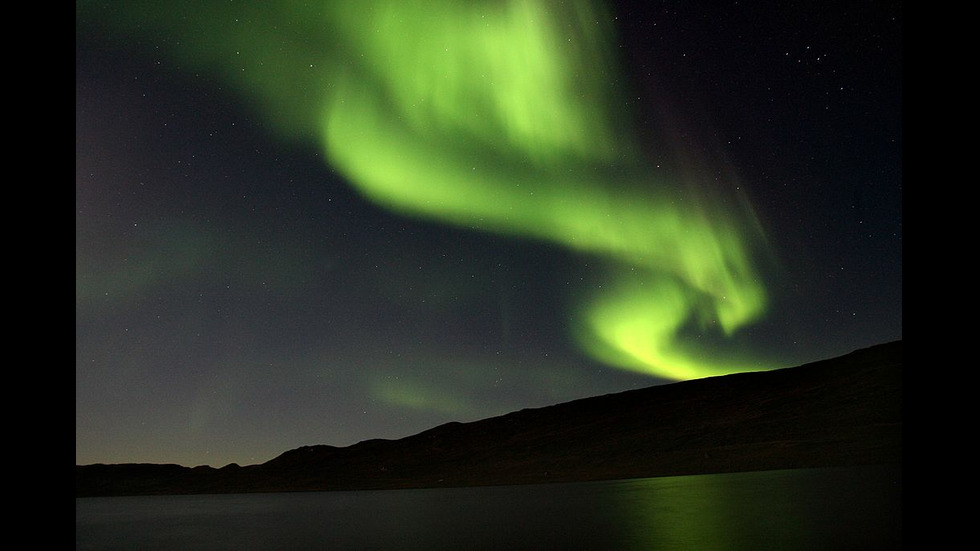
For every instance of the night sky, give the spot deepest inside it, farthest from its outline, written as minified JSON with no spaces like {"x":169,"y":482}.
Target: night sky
{"x":304,"y":223}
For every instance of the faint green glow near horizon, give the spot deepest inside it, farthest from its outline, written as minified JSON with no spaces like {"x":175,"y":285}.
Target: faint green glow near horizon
{"x":502,"y":117}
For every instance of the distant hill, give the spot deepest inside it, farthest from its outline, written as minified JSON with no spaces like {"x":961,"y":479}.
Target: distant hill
{"x":837,"y":412}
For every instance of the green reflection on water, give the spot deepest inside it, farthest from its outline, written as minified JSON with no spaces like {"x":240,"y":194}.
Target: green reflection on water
{"x":789,"y":509}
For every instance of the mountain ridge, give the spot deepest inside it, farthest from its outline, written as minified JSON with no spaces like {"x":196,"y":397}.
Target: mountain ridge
{"x":834,"y":412}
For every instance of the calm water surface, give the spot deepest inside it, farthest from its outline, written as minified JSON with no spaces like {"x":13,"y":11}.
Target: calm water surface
{"x":833,"y":509}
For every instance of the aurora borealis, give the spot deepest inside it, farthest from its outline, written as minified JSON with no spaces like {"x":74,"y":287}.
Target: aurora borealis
{"x":497,"y":119}
{"x":332,"y":221}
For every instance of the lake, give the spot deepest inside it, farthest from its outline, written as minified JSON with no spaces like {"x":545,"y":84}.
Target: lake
{"x":818,"y":509}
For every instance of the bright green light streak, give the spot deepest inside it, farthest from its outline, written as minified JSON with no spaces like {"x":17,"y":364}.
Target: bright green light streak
{"x":488,"y":119}
{"x":503,"y":117}
{"x":636,"y":326}
{"x":496,"y":73}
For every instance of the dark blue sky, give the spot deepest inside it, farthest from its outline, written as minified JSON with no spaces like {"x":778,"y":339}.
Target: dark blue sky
{"x":235,"y":298}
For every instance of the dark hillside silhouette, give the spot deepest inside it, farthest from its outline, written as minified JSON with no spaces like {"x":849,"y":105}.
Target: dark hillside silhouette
{"x":837,"y":412}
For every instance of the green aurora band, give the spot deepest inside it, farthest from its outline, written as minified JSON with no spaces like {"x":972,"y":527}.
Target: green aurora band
{"x":500,"y":116}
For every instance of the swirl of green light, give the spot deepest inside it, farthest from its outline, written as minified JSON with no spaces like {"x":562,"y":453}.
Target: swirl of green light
{"x":498,"y":119}
{"x":501,"y":116}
